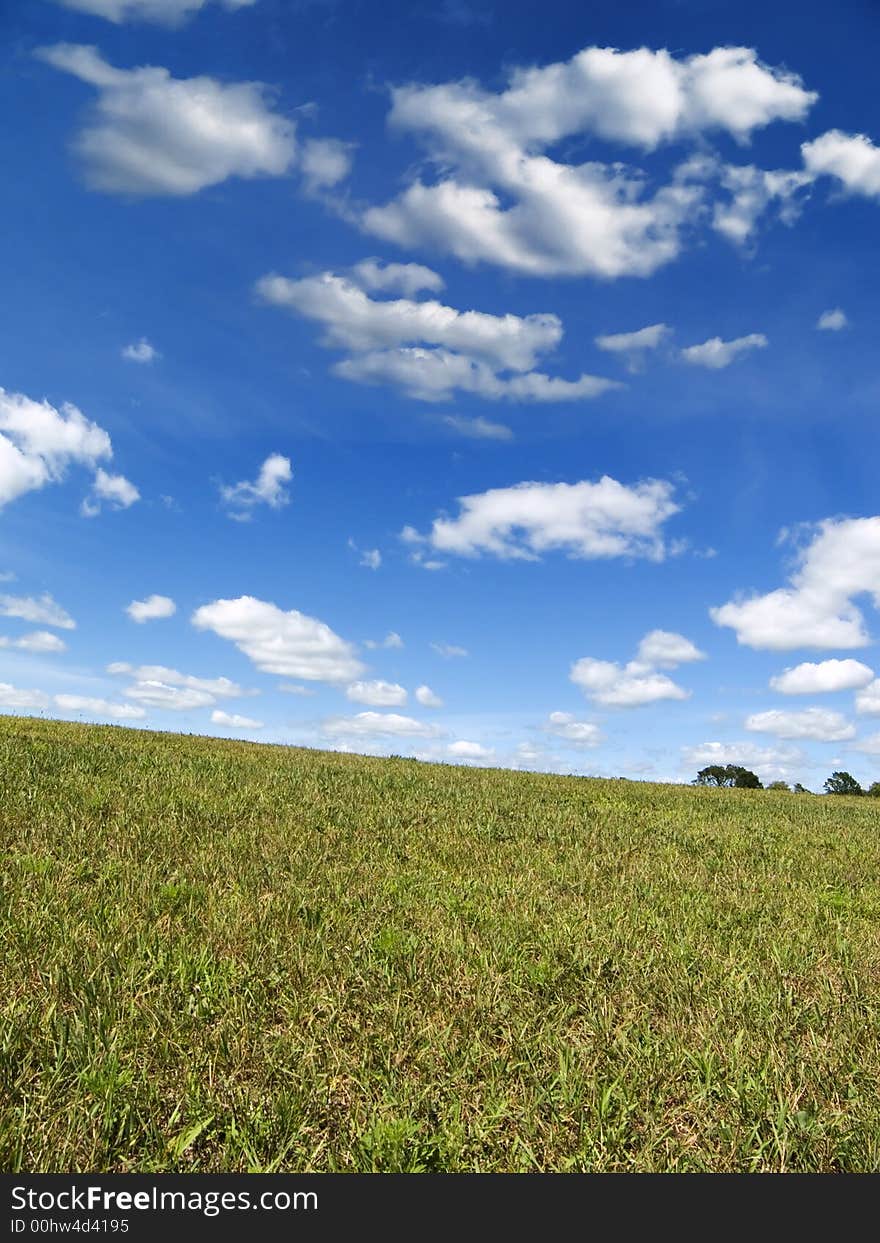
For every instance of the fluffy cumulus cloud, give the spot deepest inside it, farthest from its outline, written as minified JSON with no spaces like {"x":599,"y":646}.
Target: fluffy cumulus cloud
{"x":377,"y":694}
{"x":288,"y":643}
{"x":869,"y":746}
{"x":462,"y":749}
{"x":716,"y":354}
{"x":426,"y":697}
{"x":427,"y":349}
{"x":162,"y":12}
{"x":868,"y":700}
{"x":113,"y":490}
{"x":377,"y":725}
{"x":623,"y":686}
{"x":103,"y":709}
{"x":576,"y":733}
{"x":405,"y":278}
{"x":140,"y":352}
{"x":638,"y":682}
{"x":664,"y":649}
{"x":824,"y":677}
{"x":38,"y":443}
{"x":586,"y":520}
{"x":834,"y":320}
{"x":500,"y":197}
{"x":816,"y":610}
{"x":18,"y":700}
{"x":152,"y":134}
{"x":42,"y":611}
{"x":324,"y":162}
{"x":268,"y":489}
{"x":232,"y":720}
{"x":41,"y":641}
{"x":819,"y":724}
{"x":157,"y":694}
{"x":217,"y":688}
{"x":769,"y":763}
{"x":153,"y":608}
{"x":852,"y":159}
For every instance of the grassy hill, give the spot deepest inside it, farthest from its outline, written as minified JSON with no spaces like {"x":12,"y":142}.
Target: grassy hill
{"x":222,"y":956}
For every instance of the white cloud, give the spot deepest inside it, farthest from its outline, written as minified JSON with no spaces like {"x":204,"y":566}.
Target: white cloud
{"x":832,"y":321}
{"x":357,"y":322}
{"x":633,"y":346}
{"x":869,"y":746}
{"x":426,"y":697}
{"x":868,"y":700}
{"x":38,"y":443}
{"x":437,"y":374}
{"x":638,"y":682}
{"x":816,"y":610}
{"x":575,"y":733}
{"x":392,"y":639}
{"x":324,"y":162}
{"x":371,"y":559}
{"x":292,"y":688}
{"x":752,"y":191}
{"x":291,"y":643}
{"x":377,"y":694}
{"x":817,"y":723}
{"x":233,"y":721}
{"x":44,"y":611}
{"x":665,"y":650}
{"x":769,"y":763}
{"x":822,"y":678}
{"x":218,"y":688}
{"x":140,"y":352}
{"x":464,"y":750}
{"x":175,"y":698}
{"x":478,"y":428}
{"x":151,"y":609}
{"x":627,"y":686}
{"x":427,"y":349}
{"x":152,"y":134}
{"x":449,"y":651}
{"x":13,"y":697}
{"x":377,"y":724}
{"x":268,"y":489}
{"x":851,"y":158}
{"x":405,"y":278}
{"x":163,"y":12}
{"x":37,"y":641}
{"x":115,"y":490}
{"x":502,"y":199}
{"x":716,"y":353}
{"x":585,"y":520}
{"x":99,"y":707}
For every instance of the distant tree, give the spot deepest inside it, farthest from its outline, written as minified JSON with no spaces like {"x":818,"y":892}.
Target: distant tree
{"x":799,"y":789}
{"x":779,"y":785}
{"x":874,"y":789}
{"x":842,"y":783}
{"x":728,"y":775}
{"x":712,"y":775}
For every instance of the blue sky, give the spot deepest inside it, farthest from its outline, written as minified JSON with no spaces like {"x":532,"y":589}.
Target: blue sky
{"x":545,"y":349}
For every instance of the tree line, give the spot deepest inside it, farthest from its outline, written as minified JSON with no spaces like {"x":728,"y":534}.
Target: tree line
{"x":734,"y":776}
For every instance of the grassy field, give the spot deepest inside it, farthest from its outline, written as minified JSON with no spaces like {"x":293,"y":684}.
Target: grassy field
{"x":222,"y":956}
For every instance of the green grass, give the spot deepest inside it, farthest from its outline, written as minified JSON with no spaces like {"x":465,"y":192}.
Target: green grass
{"x":222,"y":956}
